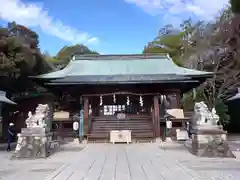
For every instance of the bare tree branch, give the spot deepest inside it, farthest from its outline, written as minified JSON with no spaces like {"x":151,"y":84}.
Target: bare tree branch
{"x":217,"y":49}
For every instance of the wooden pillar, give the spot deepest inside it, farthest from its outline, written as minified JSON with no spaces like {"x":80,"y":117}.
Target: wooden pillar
{"x":178,"y":98}
{"x":61,"y":129}
{"x":95,"y":105}
{"x":156,"y":116}
{"x":86,"y":113}
{"x":51,"y":114}
{"x":153,"y":121}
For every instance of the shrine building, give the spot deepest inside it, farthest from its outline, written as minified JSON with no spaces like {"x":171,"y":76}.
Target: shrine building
{"x":123,"y":92}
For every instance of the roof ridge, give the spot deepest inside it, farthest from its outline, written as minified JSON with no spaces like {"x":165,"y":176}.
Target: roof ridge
{"x":119,"y":56}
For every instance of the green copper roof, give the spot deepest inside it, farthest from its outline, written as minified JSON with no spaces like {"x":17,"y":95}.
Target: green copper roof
{"x":111,"y":65}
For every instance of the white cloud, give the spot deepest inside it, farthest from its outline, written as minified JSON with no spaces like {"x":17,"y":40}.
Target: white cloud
{"x":172,"y":9}
{"x":34,"y":15}
{"x":93,"y":40}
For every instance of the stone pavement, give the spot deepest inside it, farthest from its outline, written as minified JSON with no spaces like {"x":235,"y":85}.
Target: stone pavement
{"x":167,"y":161}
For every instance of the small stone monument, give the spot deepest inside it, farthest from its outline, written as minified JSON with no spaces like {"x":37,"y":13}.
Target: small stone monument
{"x":34,"y":140}
{"x":208,"y":138}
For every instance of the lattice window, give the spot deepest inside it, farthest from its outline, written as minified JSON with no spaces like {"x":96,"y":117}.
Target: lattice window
{"x":112,"y":109}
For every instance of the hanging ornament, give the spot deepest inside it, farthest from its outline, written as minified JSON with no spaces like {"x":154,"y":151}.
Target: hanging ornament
{"x":101,"y":101}
{"x":128,"y":100}
{"x":90,"y":109}
{"x":161,"y":99}
{"x":114,"y":99}
{"x":141,"y":101}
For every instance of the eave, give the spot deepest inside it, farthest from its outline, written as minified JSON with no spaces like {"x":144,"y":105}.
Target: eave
{"x":122,"y":82}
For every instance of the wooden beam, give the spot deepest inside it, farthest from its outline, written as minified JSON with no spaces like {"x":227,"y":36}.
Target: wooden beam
{"x":96,"y":90}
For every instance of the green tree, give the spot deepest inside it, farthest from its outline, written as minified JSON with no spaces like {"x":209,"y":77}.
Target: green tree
{"x":67,"y":51}
{"x":222,"y":111}
{"x":20,"y":57}
{"x":177,"y":43}
{"x":168,"y":41}
{"x":19,"y":52}
{"x":235,"y":5}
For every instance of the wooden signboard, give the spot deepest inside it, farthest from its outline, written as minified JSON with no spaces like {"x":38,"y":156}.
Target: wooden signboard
{"x":176,"y":113}
{"x":61,"y":116}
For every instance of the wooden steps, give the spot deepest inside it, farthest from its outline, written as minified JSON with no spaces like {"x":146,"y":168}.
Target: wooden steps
{"x":141,"y":127}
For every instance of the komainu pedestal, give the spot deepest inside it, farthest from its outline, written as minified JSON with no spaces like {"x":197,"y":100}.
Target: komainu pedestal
{"x":208,"y":139}
{"x":34,"y":141}
{"x":210,"y":142}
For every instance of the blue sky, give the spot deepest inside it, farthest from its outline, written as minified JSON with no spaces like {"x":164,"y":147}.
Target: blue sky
{"x":107,"y":26}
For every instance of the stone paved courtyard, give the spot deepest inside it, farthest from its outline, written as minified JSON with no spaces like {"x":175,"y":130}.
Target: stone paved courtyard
{"x":120,"y":162}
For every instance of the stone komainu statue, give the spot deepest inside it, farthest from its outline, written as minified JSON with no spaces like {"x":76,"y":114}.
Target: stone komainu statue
{"x":203,"y":116}
{"x":39,"y":118}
